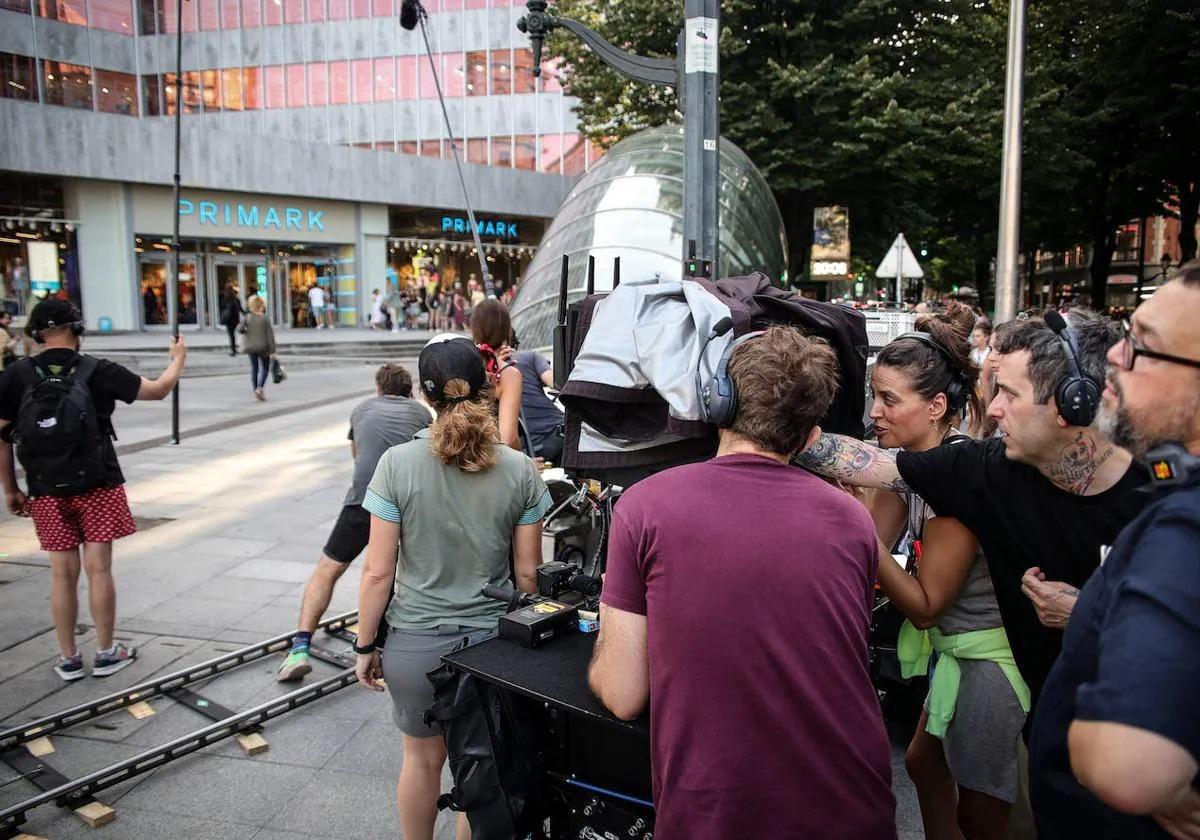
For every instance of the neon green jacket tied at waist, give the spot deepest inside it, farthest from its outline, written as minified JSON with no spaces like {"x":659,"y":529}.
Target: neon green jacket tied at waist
{"x":914,"y":647}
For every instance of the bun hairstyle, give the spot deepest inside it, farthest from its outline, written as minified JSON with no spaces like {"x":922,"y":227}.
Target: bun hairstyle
{"x":931,"y":372}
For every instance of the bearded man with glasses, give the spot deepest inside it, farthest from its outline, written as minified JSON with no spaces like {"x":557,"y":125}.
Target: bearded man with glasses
{"x":1115,"y":747}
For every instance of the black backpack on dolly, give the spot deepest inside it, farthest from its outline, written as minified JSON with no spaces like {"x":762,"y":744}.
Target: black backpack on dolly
{"x":59,"y":438}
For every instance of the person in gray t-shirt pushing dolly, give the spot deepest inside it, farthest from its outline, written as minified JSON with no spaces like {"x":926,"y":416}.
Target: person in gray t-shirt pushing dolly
{"x":388,"y":419}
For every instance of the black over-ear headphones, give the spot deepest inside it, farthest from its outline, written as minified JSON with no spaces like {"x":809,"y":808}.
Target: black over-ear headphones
{"x":76,"y":324}
{"x":959,"y":389}
{"x":1077,"y":394}
{"x":718,"y":399}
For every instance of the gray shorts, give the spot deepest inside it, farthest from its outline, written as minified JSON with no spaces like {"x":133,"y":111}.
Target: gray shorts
{"x":408,"y":655}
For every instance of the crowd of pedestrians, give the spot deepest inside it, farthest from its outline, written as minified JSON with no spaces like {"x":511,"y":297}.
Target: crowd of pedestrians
{"x":1030,"y":504}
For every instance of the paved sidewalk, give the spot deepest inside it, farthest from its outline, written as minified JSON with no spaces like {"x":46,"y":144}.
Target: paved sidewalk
{"x":231,"y":525}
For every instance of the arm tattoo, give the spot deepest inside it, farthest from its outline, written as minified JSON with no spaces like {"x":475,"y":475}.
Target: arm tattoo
{"x":853,"y":462}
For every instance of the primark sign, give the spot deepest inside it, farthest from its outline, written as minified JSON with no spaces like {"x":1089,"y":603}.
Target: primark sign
{"x":212,"y":214}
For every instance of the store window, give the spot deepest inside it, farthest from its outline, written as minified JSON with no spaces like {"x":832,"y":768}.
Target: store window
{"x":574,"y":149}
{"x":295,"y":86}
{"x":360,"y":8}
{"x":293,"y":11}
{"x":318,"y":83}
{"x":67,"y":84}
{"x":338,"y":9}
{"x":64,"y":11}
{"x":116,"y":93}
{"x":275,"y":87}
{"x":408,"y":147}
{"x":385,"y":80}
{"x":191,"y":92}
{"x":426,"y":86}
{"x":339,"y":82}
{"x":316,"y":10}
{"x":167,"y":17}
{"x":17,"y":77}
{"x":431,"y":148}
{"x":231,"y":90}
{"x":152,"y":103}
{"x":501,"y":71}
{"x":525,"y":151}
{"x":252,"y":13}
{"x":454,"y":81}
{"x":230,"y":14}
{"x":153,"y":276}
{"x":112,"y":15}
{"x":252,"y":88}
{"x":477,"y":73}
{"x":15,"y":5}
{"x":272,"y":12}
{"x":382,"y":8}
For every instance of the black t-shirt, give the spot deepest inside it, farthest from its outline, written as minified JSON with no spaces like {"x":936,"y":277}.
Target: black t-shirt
{"x":1129,"y":656}
{"x":110,"y":382}
{"x":1022,"y":519}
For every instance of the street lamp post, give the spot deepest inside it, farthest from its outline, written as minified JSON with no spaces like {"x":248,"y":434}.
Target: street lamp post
{"x":1008,"y":241}
{"x":695,"y":73}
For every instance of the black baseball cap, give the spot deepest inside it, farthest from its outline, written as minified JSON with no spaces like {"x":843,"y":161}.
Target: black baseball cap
{"x":53,"y":312}
{"x":450,"y":356}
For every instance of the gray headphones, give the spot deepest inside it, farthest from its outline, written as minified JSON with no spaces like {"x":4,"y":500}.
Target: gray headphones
{"x":719,"y":399}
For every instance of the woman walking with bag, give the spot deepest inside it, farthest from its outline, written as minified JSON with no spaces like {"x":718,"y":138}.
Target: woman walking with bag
{"x":455,"y":500}
{"x":258,"y":344}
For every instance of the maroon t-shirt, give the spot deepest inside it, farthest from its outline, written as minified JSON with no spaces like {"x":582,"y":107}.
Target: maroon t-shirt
{"x":756,"y":579}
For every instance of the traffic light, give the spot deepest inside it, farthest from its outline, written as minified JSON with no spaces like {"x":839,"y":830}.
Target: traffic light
{"x":924,"y":250}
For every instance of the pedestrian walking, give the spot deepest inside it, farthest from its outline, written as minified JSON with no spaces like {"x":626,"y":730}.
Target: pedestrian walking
{"x":456,"y":502}
{"x":316,"y":306}
{"x":388,"y":419}
{"x":331,"y":309}
{"x":394,"y":304}
{"x":258,"y":344}
{"x":57,"y":409}
{"x":9,"y":342}
{"x":231,"y":315}
{"x":376,"y":319}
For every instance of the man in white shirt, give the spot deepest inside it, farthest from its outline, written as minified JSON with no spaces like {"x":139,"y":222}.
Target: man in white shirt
{"x":316,"y":305}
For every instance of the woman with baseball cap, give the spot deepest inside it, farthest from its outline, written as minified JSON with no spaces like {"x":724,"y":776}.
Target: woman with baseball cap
{"x":456,"y":500}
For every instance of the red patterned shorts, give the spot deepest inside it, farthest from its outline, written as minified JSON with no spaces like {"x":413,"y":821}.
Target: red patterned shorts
{"x":63,"y":522}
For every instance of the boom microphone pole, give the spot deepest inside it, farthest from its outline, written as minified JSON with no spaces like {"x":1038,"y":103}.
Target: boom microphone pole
{"x":176,"y":245}
{"x":412,"y":13}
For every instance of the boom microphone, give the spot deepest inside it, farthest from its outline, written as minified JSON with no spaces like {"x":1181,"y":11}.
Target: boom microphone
{"x":410,"y":14}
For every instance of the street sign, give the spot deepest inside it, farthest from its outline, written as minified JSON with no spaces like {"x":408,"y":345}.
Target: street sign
{"x":899,"y":262}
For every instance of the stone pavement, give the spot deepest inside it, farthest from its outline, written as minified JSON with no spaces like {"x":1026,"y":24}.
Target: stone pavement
{"x":231,"y":524}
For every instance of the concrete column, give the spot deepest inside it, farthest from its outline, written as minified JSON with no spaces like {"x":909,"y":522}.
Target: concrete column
{"x":372,"y":257}
{"x":106,"y":258}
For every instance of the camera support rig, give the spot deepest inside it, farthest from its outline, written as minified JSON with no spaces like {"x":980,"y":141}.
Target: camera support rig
{"x":695,"y":73}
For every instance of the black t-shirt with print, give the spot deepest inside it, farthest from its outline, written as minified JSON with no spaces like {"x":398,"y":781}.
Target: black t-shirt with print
{"x":110,"y":382}
{"x":1021,"y":519}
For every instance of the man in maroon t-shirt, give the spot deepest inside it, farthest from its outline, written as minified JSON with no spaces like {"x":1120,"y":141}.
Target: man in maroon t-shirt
{"x":738,"y":596}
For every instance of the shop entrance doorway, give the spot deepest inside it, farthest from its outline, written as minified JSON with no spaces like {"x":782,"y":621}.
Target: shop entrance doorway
{"x":244,"y":276}
{"x":154,"y":271}
{"x":299,"y":275}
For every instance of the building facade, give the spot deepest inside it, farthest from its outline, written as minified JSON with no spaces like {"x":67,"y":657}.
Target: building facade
{"x":313,"y":152}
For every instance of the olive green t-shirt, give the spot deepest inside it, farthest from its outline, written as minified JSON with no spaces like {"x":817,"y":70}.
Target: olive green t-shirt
{"x":455,"y":531}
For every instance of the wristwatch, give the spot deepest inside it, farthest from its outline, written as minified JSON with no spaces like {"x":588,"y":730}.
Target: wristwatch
{"x":365,"y":649}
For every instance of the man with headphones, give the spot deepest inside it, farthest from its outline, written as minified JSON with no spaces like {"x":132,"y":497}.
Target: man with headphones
{"x":738,"y":596}
{"x":1117,"y":736}
{"x":57,"y":409}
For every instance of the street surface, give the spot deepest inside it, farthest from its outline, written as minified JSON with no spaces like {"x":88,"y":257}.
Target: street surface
{"x":231,"y":523}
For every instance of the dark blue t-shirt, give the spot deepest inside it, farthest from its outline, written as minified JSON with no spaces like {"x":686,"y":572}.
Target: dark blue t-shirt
{"x":1131,"y":655}
{"x":541,"y":415}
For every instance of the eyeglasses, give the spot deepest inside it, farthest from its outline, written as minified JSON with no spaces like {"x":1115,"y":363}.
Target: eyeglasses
{"x":1131,"y":350}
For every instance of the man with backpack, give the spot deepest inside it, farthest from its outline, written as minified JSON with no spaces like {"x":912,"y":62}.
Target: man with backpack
{"x":57,"y":409}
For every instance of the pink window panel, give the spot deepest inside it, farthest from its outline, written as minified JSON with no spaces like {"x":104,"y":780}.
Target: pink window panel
{"x":231,"y":90}
{"x":431,"y":148}
{"x":360,"y":8}
{"x":339,"y":82}
{"x":275,"y":87}
{"x":477,"y":150}
{"x":477,"y":73}
{"x":476,"y":4}
{"x":573,"y":154}
{"x":361,"y":77}
{"x":552,"y":149}
{"x":338,"y":9}
{"x":230,"y":14}
{"x":252,"y":88}
{"x":551,"y":79}
{"x":428,"y":89}
{"x":525,"y":151}
{"x":502,"y":72}
{"x":502,"y":151}
{"x":523,"y":80}
{"x":252,"y":13}
{"x":273,"y":12}
{"x":113,"y":15}
{"x":318,"y":84}
{"x":453,"y":74}
{"x":295,"y":85}
{"x":210,"y":14}
{"x":406,"y":76}
{"x":316,"y":10}
{"x":189,"y":18}
{"x":385,"y":80}
{"x":408,"y":147}
{"x":382,"y":8}
{"x":293,"y":11}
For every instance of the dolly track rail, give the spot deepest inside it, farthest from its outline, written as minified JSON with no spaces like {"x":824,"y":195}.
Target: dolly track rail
{"x":58,"y":721}
{"x":85,"y":786}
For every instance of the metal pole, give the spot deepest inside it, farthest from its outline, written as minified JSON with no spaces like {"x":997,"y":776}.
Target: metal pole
{"x":483,"y":269}
{"x":173,"y":282}
{"x":1137,"y":295}
{"x":899,"y":274}
{"x":701,"y":130}
{"x":1008,"y":240}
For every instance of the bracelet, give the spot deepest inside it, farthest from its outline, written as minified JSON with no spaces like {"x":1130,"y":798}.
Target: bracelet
{"x":365,"y":649}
